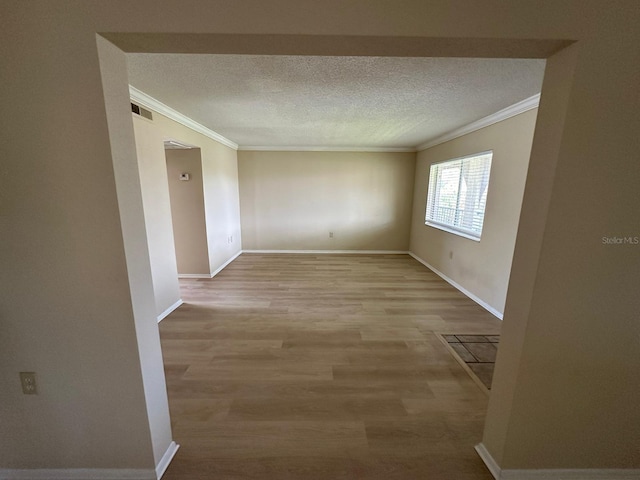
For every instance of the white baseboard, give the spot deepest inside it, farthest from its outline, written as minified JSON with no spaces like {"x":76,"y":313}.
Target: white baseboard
{"x":554,"y":474}
{"x":319,"y":252}
{"x":473,"y":297}
{"x":572,"y":474}
{"x":166,"y":459}
{"x":169,"y":310}
{"x":78,"y":474}
{"x":488,"y":460}
{"x":93,"y":473}
{"x":221,"y":267}
{"x":210,"y":275}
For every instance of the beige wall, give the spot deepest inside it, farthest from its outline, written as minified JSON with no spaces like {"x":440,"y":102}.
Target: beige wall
{"x":292,"y":200}
{"x":157,"y":213}
{"x":220,"y":188}
{"x":187,"y":211}
{"x":571,"y":316}
{"x":482,"y":268}
{"x":76,"y":292}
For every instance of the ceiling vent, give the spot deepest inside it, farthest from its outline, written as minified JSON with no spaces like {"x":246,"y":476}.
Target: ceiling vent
{"x":143,"y":112}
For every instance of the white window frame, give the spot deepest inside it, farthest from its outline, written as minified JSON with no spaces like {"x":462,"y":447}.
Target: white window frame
{"x":433,"y":190}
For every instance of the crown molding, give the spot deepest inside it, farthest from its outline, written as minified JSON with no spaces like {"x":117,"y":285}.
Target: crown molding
{"x":145,"y":100}
{"x":282,"y":148}
{"x":511,"y":111}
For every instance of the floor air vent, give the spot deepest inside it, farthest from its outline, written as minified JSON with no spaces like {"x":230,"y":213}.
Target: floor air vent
{"x":143,"y":112}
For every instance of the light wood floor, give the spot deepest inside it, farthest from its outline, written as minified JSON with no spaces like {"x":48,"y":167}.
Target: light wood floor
{"x":323,"y":367}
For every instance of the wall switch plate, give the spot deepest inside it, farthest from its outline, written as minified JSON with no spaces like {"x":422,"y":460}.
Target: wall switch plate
{"x":28,"y":381}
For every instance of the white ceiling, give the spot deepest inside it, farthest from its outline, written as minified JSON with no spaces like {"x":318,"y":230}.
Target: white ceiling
{"x":310,"y":101}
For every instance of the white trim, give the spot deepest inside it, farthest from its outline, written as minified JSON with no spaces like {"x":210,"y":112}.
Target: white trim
{"x":554,"y":474}
{"x":511,"y":111}
{"x":148,"y":101}
{"x":572,"y":474}
{"x":453,"y":230}
{"x":177,"y":144}
{"x":473,"y":297}
{"x":488,"y":460}
{"x":78,"y":474}
{"x":221,"y":267}
{"x":283,"y":148}
{"x":319,"y":252}
{"x":93,"y":473}
{"x":164,"y":314}
{"x":166,"y":459}
{"x":210,"y":275}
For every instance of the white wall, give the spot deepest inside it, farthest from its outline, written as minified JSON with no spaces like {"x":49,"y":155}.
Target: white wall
{"x":292,"y":200}
{"x":483,"y":267}
{"x":137,"y":253}
{"x":221,"y":202}
{"x":157,"y":213}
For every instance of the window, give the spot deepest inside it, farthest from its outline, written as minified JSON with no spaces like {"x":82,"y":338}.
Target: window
{"x":457,"y":194}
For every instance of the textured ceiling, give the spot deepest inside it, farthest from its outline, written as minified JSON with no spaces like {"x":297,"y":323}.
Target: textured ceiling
{"x":303,"y":101}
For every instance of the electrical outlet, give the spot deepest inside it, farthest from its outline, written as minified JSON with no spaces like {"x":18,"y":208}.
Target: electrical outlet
{"x":28,"y":381}
{"x":330,"y":234}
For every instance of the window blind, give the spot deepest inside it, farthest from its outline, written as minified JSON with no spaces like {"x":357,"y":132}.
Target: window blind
{"x":457,"y":194}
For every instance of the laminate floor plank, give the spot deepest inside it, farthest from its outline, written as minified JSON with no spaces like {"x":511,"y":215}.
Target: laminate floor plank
{"x":322,"y":367}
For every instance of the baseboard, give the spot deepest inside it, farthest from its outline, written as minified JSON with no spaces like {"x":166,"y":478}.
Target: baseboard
{"x":488,"y":460}
{"x":210,"y":275}
{"x":554,"y":474}
{"x":78,"y":474}
{"x":93,"y":473}
{"x":166,"y":459}
{"x":169,"y":310}
{"x":220,"y":268}
{"x":572,"y":474}
{"x":319,"y":252}
{"x":459,"y":287}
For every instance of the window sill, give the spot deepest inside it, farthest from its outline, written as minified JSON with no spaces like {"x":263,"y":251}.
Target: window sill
{"x":452,"y":230}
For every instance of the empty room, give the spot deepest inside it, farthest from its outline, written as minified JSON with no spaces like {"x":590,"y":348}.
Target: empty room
{"x":292,"y":240}
{"x":352,"y":335}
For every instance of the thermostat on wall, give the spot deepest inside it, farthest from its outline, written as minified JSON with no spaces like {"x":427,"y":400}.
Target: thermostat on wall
{"x":184,"y":177}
